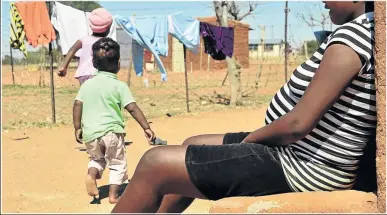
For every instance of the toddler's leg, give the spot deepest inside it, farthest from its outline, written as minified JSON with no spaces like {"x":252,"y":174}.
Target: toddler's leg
{"x":115,"y":154}
{"x":96,"y":166}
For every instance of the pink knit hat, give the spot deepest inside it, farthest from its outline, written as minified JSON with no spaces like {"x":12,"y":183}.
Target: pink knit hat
{"x":100,"y":20}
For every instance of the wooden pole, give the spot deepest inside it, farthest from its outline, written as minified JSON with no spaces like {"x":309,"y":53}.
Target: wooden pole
{"x":286,"y":40}
{"x":51,"y":73}
{"x":306,"y":50}
{"x":130,"y":61}
{"x":201,"y":56}
{"x":186,"y":79}
{"x":13,"y":74}
{"x":208,"y":63}
{"x":130,"y":69}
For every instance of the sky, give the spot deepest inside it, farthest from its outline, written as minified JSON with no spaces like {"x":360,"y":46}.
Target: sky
{"x":270,"y":14}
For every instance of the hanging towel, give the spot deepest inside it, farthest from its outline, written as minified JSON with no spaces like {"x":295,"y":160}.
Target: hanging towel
{"x":17,"y":33}
{"x":218,"y":41}
{"x":72,"y":25}
{"x":37,"y":25}
{"x":186,"y":29}
{"x":154,"y":29}
{"x":146,"y":39}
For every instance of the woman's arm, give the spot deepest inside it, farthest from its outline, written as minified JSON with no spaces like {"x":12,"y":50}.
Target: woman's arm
{"x":70,"y":54}
{"x":340,"y":64}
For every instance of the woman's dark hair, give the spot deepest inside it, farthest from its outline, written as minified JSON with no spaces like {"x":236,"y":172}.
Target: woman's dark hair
{"x":106,"y":54}
{"x":369,"y":6}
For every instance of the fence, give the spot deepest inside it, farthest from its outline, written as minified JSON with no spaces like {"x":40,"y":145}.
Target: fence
{"x":27,"y":103}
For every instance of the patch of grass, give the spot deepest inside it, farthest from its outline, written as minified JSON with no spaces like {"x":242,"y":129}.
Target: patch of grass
{"x":30,"y":105}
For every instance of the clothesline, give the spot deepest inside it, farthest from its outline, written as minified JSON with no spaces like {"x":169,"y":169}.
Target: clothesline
{"x":149,"y":32}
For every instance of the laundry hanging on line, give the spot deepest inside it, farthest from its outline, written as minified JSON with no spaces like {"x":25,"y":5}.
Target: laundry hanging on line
{"x":186,"y":29}
{"x":145,"y":39}
{"x":72,"y":25}
{"x":37,"y":25}
{"x":152,"y":33}
{"x":17,"y":33}
{"x":218,"y":41}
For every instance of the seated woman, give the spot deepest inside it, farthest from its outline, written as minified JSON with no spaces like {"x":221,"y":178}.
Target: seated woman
{"x":317,"y":126}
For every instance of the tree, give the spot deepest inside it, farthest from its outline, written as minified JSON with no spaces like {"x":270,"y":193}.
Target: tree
{"x":312,"y":46}
{"x":311,"y":20}
{"x":86,"y":6}
{"x":229,"y":10}
{"x":6,"y":60}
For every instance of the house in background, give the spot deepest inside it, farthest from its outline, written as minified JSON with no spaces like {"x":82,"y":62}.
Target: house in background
{"x":269,"y":48}
{"x":125,"y":42}
{"x":201,"y":60}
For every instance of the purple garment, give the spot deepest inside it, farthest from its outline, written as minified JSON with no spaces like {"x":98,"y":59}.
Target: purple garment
{"x":218,"y":41}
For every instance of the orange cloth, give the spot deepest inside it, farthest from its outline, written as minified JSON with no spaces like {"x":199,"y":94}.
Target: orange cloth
{"x":37,"y":24}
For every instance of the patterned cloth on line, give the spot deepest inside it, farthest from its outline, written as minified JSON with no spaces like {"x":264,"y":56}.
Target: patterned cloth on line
{"x":17,"y":33}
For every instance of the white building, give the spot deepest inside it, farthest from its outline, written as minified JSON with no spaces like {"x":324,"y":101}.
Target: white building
{"x":271,"y":48}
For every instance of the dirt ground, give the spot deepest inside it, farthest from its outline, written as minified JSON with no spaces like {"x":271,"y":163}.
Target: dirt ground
{"x":43,"y":169}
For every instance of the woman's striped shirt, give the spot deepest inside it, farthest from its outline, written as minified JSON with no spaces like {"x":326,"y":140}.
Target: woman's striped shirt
{"x":326,"y":159}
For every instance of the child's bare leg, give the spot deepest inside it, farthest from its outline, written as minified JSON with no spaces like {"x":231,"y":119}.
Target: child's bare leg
{"x":115,"y":154}
{"x":113,"y":193}
{"x":91,"y":181}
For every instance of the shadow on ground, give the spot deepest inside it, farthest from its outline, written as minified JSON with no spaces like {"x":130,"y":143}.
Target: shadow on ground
{"x":104,"y":193}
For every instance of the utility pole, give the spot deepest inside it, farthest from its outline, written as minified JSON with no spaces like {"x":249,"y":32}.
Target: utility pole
{"x":286,"y":40}
{"x":263,"y":31}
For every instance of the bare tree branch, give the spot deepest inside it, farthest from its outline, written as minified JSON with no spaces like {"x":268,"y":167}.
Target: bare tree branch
{"x":311,"y":21}
{"x":252,"y":7}
{"x":218,"y":9}
{"x":233,"y":10}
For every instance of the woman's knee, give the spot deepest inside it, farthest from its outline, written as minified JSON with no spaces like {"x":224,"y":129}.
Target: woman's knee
{"x":191,"y":140}
{"x":152,"y":159}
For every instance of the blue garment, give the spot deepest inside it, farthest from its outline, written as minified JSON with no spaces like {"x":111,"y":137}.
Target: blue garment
{"x":186,"y":29}
{"x":154,"y":29}
{"x":137,"y":57}
{"x":144,"y":34}
{"x":152,"y":33}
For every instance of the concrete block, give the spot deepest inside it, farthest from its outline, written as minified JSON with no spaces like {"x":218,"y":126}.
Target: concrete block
{"x":311,"y":202}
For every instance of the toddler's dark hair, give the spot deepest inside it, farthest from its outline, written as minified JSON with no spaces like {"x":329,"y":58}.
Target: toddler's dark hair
{"x":106,"y":54}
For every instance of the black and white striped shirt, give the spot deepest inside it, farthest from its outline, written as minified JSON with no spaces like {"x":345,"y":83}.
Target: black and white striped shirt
{"x":326,"y":159}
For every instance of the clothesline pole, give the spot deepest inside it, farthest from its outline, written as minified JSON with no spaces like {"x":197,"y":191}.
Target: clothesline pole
{"x":286,"y":41}
{"x":13,"y":74}
{"x":186,"y":79}
{"x":51,"y":72}
{"x":130,"y":61}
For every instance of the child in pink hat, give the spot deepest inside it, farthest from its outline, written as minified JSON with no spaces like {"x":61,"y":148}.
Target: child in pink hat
{"x":100,"y":21}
